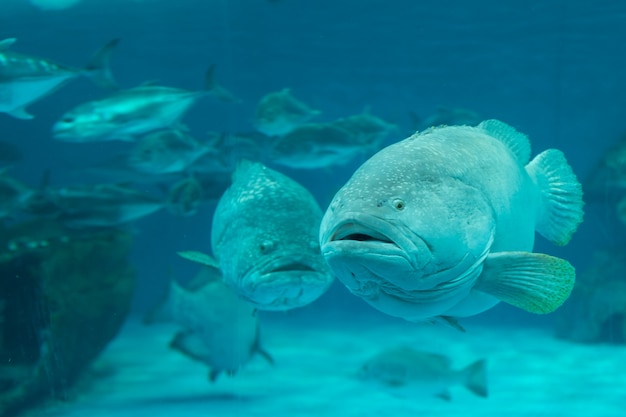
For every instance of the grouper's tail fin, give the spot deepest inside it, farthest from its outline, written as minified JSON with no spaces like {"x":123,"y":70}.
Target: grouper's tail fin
{"x":98,"y":68}
{"x":561,"y":195}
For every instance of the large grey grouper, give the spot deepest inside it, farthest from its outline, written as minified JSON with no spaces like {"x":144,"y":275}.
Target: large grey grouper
{"x":442,"y":224}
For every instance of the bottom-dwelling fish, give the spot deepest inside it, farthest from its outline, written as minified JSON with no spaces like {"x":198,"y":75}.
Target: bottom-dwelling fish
{"x":407,"y":372}
{"x":218,"y":328}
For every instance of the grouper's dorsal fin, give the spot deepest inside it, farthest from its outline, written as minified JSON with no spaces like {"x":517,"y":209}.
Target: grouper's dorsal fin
{"x":517,"y":142}
{"x":7,"y":43}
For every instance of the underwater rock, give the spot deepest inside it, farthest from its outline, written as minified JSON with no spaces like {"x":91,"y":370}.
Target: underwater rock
{"x":64,"y":296}
{"x":596,"y":309}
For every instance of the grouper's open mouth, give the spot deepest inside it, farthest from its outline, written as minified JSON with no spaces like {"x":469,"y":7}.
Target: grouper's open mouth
{"x":286,"y":282}
{"x":361,"y":233}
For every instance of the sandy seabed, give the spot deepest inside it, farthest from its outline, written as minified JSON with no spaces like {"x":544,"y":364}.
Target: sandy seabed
{"x":530,"y":373}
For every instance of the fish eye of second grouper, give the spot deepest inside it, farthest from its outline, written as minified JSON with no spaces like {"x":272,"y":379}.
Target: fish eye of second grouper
{"x":266,"y":246}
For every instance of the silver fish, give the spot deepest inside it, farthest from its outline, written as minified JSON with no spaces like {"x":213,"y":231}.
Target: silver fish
{"x":166,"y":151}
{"x":410,"y":373}
{"x":218,"y":328}
{"x":319,"y":145}
{"x":127,"y":114}
{"x":280,"y":112}
{"x":264,"y":240}
{"x":184,"y":197}
{"x":25,"y":79}
{"x":442,"y":224}
{"x":101,"y":205}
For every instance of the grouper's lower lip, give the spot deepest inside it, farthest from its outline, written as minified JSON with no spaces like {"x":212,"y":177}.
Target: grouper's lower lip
{"x":283,"y":286}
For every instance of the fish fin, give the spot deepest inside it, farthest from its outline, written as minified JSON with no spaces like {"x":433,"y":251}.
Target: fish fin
{"x":534,"y":282}
{"x":188,"y":343}
{"x":206,"y":276}
{"x":445,"y":395}
{"x":213,"y":374}
{"x":476,"y":378}
{"x":561,"y":195}
{"x":415,"y":121}
{"x":7,"y":43}
{"x":517,"y":142}
{"x":21,"y":113}
{"x":243,"y":168}
{"x":200,"y":258}
{"x":217,"y":90}
{"x":452,"y":321}
{"x":257,"y":348}
{"x":98,"y":66}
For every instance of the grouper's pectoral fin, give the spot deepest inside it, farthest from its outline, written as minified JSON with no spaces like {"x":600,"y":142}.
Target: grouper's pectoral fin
{"x":200,"y":258}
{"x":534,"y":282}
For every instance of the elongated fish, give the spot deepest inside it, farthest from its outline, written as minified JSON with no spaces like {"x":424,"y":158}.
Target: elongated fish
{"x":127,"y":114}
{"x":24,"y":79}
{"x":279,"y":113}
{"x":407,"y":372}
{"x":442,"y":224}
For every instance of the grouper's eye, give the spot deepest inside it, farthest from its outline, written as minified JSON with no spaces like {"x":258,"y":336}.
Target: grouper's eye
{"x":398,"y":204}
{"x":266,"y":246}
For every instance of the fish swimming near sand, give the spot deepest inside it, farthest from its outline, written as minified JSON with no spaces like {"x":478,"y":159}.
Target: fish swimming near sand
{"x":410,"y":373}
{"x":442,"y":224}
{"x":280,"y":112}
{"x":264,"y":239}
{"x":218,"y":328}
{"x":127,"y":114}
{"x":25,"y":79}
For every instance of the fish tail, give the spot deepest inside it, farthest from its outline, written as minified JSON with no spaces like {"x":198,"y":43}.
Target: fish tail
{"x":216,"y":89}
{"x":561,"y":195}
{"x":475,"y":376}
{"x":98,"y":68}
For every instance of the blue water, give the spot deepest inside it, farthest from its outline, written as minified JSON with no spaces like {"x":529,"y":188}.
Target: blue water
{"x":554,"y":69}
